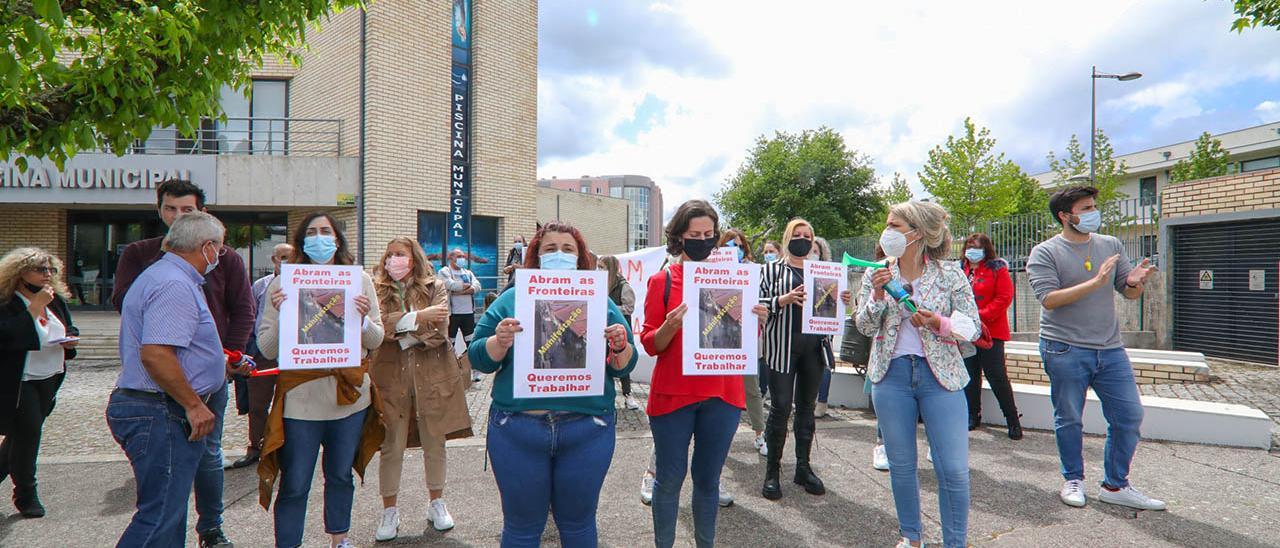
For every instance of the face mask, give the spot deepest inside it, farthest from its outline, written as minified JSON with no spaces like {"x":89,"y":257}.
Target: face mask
{"x":32,"y":287}
{"x":558,"y":260}
{"x":212,"y":264}
{"x":974,"y":254}
{"x":519,"y":246}
{"x":397,"y":267}
{"x":770,"y":257}
{"x":320,"y":248}
{"x":799,"y":247}
{"x":1089,"y":222}
{"x":894,"y":243}
{"x":462,"y":263}
{"x":699,"y":250}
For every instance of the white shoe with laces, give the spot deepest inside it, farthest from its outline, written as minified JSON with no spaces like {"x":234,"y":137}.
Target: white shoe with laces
{"x":905,"y":543}
{"x":631,"y":403}
{"x":346,"y":543}
{"x":1072,"y":493}
{"x":1133,"y":498}
{"x":879,"y":459}
{"x":439,"y":516}
{"x":761,"y":446}
{"x":389,"y":529}
{"x":646,"y":489}
{"x":820,"y":410}
{"x":726,"y":498}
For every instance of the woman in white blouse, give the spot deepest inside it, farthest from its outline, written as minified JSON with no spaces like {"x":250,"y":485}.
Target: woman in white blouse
{"x":36,"y":340}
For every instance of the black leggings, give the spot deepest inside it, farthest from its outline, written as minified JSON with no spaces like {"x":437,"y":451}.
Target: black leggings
{"x":799,"y":388}
{"x":991,"y":362}
{"x":19,"y":449}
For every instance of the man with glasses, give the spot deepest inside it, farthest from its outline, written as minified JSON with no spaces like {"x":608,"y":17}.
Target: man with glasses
{"x":229,"y":298}
{"x":162,"y":412}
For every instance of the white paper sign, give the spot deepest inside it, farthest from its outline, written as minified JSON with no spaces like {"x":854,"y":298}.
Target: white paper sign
{"x":319,"y":325}
{"x":722,"y":255}
{"x":561,"y":350}
{"x":719,"y":331}
{"x":823,"y":310}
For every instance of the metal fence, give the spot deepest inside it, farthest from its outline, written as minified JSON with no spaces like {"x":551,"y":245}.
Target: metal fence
{"x":249,"y":136}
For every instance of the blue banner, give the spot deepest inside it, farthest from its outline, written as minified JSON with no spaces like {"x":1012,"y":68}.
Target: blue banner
{"x":458,"y":230}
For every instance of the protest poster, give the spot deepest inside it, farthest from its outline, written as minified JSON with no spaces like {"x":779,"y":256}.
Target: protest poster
{"x":319,"y":324}
{"x":720,"y":331}
{"x":823,"y":310}
{"x":723,"y":255}
{"x":561,"y":350}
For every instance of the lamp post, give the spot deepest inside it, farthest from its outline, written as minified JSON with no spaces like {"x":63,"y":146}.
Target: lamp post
{"x":1093,"y":111}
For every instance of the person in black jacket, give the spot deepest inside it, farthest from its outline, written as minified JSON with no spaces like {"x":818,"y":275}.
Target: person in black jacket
{"x":34,"y":327}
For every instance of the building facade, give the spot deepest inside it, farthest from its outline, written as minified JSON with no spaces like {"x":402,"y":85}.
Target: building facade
{"x":397,"y":122}
{"x":595,"y":215}
{"x":644,"y":221}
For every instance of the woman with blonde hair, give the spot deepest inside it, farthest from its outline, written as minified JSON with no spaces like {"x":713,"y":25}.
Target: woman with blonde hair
{"x":915,"y":367}
{"x":34,"y":327}
{"x":419,"y":380}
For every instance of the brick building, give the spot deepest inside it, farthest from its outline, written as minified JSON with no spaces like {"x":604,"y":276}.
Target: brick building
{"x":370,"y":127}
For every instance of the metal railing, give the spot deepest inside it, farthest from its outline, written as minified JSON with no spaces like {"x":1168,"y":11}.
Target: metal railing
{"x":249,"y":136}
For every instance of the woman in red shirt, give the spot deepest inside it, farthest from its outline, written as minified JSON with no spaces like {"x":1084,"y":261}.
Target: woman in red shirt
{"x":704,"y":409}
{"x":993,"y":289}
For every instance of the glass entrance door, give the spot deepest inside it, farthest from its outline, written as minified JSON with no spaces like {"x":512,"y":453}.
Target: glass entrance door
{"x":97,"y":240}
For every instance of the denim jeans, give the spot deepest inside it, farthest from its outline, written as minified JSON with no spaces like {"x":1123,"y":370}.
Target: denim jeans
{"x":302,"y":442}
{"x":710,"y":424}
{"x":208,"y":484}
{"x":908,"y":391}
{"x":153,"y":434}
{"x":555,"y":462}
{"x":824,"y":387}
{"x":1072,"y":372}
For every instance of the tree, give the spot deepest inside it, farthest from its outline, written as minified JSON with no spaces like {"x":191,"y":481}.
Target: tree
{"x":811,"y":175}
{"x":1029,"y":197}
{"x":1253,"y":13}
{"x":77,"y":75}
{"x":968,"y":178}
{"x":1109,"y":173}
{"x":898,"y":190}
{"x":1208,"y":159}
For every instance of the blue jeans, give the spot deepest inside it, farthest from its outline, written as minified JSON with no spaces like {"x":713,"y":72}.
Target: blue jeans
{"x":555,"y":461}
{"x":824,"y":387}
{"x":710,"y":424}
{"x":909,"y":391}
{"x":1072,"y":372}
{"x":302,"y":442}
{"x":153,"y":434}
{"x":208,"y":484}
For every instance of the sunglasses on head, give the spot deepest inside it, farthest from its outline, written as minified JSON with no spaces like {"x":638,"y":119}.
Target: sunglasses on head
{"x":50,"y":270}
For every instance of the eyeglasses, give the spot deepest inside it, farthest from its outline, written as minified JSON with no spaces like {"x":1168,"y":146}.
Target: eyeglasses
{"x":50,"y":270}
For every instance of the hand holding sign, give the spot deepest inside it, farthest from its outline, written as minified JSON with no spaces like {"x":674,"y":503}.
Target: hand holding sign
{"x":795,"y":296}
{"x":675,"y":318}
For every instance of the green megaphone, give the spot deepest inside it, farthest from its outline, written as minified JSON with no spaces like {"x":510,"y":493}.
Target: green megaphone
{"x":853,"y":261}
{"x":894,"y":288}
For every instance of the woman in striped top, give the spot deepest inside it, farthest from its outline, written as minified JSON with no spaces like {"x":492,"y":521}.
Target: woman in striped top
{"x":795,"y":359}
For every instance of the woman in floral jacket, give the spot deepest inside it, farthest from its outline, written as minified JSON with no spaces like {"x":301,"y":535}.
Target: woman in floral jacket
{"x":916,"y":369}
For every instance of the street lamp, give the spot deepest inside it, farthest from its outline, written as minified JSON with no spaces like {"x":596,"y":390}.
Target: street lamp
{"x":1093,"y":111}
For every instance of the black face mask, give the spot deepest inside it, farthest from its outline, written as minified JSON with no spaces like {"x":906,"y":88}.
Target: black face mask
{"x":699,"y":250}
{"x":800,"y":247}
{"x":33,"y":288}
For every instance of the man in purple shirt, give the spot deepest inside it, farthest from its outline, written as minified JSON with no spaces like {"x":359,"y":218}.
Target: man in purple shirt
{"x":230,"y":301}
{"x":172,"y":367}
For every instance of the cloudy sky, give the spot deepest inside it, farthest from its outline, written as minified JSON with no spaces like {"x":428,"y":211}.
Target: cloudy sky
{"x":679,"y":90}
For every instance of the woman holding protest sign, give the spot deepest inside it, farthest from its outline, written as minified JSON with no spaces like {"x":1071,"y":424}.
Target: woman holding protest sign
{"x":700,"y":409}
{"x":419,"y":380}
{"x":564,"y":477}
{"x":915,"y":368}
{"x":796,"y":360}
{"x":316,"y":408}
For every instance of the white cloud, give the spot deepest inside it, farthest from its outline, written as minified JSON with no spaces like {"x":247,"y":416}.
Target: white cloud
{"x":1268,"y":108}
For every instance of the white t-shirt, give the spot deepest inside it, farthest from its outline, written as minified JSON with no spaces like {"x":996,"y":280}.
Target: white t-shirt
{"x":909,"y":342}
{"x":49,"y":360}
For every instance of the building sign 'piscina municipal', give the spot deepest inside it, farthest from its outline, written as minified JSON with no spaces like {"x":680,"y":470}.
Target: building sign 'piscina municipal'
{"x":103,"y":178}
{"x":458,"y":231}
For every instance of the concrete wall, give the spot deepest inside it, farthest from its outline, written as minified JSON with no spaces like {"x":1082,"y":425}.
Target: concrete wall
{"x":1143,"y":323}
{"x":296,"y":181}
{"x":602,"y":220}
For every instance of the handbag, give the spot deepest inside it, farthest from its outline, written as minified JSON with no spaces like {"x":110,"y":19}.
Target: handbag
{"x":855,"y":348}
{"x":984,"y":341}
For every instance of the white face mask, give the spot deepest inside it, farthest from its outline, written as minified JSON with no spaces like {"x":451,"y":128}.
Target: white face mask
{"x":894,"y":243}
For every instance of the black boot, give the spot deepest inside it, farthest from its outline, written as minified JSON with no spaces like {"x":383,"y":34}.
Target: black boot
{"x":27,"y":501}
{"x":975,"y":421}
{"x":1015,"y":427}
{"x":804,"y":473}
{"x":772,"y":489}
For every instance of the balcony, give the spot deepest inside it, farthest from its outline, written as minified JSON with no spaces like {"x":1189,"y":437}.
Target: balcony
{"x":249,"y":136}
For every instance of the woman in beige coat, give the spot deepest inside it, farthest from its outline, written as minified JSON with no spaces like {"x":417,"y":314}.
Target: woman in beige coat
{"x":418,"y":377}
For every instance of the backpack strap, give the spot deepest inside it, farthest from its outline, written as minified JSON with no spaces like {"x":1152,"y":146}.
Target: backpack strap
{"x":666,"y":290}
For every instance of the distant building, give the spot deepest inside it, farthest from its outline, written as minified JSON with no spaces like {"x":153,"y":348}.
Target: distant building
{"x":644,"y":221}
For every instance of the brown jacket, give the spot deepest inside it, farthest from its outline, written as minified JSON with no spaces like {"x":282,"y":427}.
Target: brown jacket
{"x":424,"y":382}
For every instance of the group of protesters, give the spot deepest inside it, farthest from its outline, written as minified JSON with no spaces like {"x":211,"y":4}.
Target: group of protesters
{"x":194,"y":328}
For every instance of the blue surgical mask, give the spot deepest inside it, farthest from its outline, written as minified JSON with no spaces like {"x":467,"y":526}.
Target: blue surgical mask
{"x":320,"y":248}
{"x":974,"y":254}
{"x":770,"y":257}
{"x":558,"y":260}
{"x":519,"y":246}
{"x":462,"y":263}
{"x":211,"y":264}
{"x":1090,"y":221}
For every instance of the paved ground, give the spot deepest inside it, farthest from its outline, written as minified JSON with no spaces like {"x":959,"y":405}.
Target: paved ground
{"x":1217,"y":496}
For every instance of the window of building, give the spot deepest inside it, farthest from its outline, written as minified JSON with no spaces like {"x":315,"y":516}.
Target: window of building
{"x":268,"y":107}
{"x":639,"y":215}
{"x":615,"y":192}
{"x":1260,"y":164}
{"x":1147,"y":190}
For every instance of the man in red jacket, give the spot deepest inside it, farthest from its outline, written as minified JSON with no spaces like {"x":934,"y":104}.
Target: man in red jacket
{"x":230,"y":300}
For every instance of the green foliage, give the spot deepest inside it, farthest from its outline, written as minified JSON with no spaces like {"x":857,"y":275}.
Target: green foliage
{"x":969,"y":179}
{"x":1029,"y":197}
{"x":1208,"y":159}
{"x":1253,"y":13}
{"x":78,"y":74}
{"x":1109,"y":175}
{"x":242,"y":236}
{"x":898,"y":190}
{"x":811,"y":175}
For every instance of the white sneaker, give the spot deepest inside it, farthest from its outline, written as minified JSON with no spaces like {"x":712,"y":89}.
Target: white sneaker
{"x":631,"y":403}
{"x":726,"y":498}
{"x":820,"y":410}
{"x":646,"y":489}
{"x":346,"y":543}
{"x":905,"y":543}
{"x":880,"y":460}
{"x":1130,"y":497}
{"x":476,"y":377}
{"x":928,"y":454}
{"x":439,"y":516}
{"x":1072,"y":493}
{"x":389,"y":529}
{"x":761,"y":446}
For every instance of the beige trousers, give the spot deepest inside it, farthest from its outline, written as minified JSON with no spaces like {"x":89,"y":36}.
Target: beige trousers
{"x":391,"y":461}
